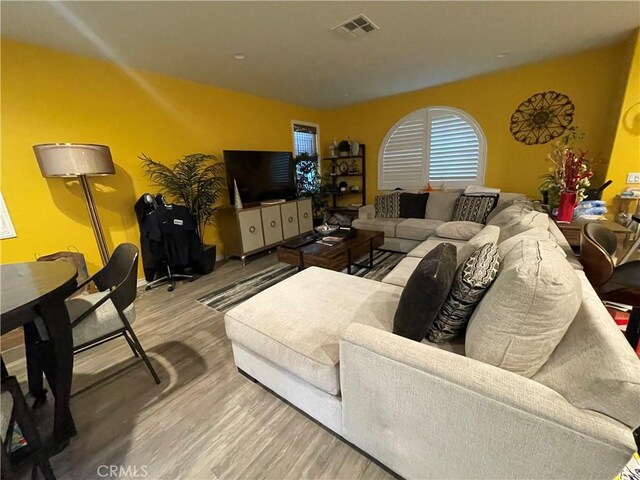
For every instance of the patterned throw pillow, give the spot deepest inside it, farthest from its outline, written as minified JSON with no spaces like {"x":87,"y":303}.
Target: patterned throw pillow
{"x":388,"y":206}
{"x":474,"y":208}
{"x":473,"y":278}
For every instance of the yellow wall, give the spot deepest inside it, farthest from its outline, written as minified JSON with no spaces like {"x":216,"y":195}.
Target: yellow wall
{"x":625,"y":156}
{"x":591,"y":79}
{"x":48,"y":96}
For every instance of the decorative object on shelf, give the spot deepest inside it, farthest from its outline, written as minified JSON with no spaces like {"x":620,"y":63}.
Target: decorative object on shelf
{"x":343,"y":186}
{"x":344,"y":147}
{"x":236,"y":196}
{"x":355,"y":148}
{"x":309,"y":183}
{"x":353,"y":167}
{"x":197,"y":181}
{"x":326,"y":229}
{"x":343,"y":167}
{"x":562,"y":175}
{"x":82,"y":161}
{"x":333,"y":149}
{"x":541,"y":118}
{"x":354,"y":189}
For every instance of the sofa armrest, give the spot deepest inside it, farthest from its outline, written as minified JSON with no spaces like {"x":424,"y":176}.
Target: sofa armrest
{"x":429,"y":413}
{"x":367,"y":212}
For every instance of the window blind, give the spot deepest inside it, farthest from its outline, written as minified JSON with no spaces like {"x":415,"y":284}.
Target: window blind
{"x":454,"y":149}
{"x":437,"y":144}
{"x":403,"y":155}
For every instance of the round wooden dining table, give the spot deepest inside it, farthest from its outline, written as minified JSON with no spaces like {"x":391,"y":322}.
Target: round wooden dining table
{"x":38,"y":290}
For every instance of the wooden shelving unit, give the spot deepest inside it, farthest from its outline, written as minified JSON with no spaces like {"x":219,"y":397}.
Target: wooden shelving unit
{"x":340,"y":199}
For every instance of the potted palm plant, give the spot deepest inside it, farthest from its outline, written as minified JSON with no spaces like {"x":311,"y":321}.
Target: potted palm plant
{"x":197,"y":182}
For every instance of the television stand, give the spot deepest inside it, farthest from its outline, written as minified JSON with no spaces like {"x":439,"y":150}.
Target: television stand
{"x":255,"y":229}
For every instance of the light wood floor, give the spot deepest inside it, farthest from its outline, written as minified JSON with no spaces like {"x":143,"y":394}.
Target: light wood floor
{"x":205,"y":421}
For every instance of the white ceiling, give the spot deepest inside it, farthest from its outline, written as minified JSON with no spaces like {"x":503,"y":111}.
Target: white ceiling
{"x":293,"y":55}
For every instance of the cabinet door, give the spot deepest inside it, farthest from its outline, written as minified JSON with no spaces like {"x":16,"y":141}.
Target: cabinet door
{"x":289,"y":219}
{"x":305,"y":217}
{"x":271,"y":225}
{"x":251,"y":229}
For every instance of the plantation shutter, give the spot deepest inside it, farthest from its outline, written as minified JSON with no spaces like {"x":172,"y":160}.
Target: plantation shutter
{"x":403,"y":155}
{"x":454,"y":148}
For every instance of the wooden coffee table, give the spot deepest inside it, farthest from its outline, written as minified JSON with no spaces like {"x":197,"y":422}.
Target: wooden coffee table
{"x":335,"y":257}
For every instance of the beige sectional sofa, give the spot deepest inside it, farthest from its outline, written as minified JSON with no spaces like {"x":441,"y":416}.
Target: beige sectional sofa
{"x":322,"y":340}
{"x":405,"y":234}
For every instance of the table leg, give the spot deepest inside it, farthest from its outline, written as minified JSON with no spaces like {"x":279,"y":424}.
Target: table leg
{"x":371,"y":253}
{"x":35,"y":351}
{"x":59,"y":368}
{"x":349,"y":261}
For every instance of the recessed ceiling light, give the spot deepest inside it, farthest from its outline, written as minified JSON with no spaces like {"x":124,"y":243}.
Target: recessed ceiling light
{"x":502,"y":55}
{"x":346,"y":94}
{"x":239,"y":56}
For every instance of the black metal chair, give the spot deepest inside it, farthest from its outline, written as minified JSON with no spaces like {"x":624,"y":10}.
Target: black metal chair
{"x":104,"y":316}
{"x":619,"y":283}
{"x":15,"y":412}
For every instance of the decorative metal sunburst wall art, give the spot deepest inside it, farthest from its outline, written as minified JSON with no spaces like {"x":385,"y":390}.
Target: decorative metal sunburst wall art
{"x":542,"y":117}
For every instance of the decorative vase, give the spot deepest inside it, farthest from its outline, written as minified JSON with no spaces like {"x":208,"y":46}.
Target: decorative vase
{"x":355,"y":148}
{"x":344,"y":153}
{"x":567,"y":204}
{"x":236,"y":196}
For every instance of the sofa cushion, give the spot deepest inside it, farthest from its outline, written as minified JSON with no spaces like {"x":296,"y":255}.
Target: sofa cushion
{"x":424,"y":293}
{"x":413,"y":205}
{"x":459,"y":230}
{"x":536,"y":233}
{"x":472,"y":280}
{"x":402,"y":271}
{"x":440,"y":205}
{"x":432,"y":242}
{"x":388,"y":205}
{"x":296,"y":324}
{"x":504,"y":201}
{"x":514,"y":211}
{"x":524,"y":315}
{"x":473,"y":208}
{"x":417,"y":228}
{"x":593,"y":366}
{"x":522,"y":224}
{"x":386,"y":225}
{"x":488,"y":234}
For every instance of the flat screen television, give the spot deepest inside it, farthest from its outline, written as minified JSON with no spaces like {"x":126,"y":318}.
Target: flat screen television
{"x":260,"y":175}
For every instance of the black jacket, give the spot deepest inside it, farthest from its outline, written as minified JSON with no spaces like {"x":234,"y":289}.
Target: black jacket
{"x":168,"y":236}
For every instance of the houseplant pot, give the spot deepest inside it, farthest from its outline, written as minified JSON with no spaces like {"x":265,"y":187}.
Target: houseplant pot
{"x":208,"y":262}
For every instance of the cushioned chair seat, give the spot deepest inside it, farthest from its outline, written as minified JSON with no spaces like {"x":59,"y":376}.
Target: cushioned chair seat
{"x":432,"y":242}
{"x":6,"y":407}
{"x":402,"y":271}
{"x":386,"y":225}
{"x":417,"y":228}
{"x":297,"y":323}
{"x":103,"y":321}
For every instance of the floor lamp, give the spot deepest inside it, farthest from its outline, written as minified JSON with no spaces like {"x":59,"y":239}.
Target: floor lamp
{"x":82,"y":161}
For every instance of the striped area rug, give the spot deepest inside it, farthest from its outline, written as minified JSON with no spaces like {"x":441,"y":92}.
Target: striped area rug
{"x":228,"y":297}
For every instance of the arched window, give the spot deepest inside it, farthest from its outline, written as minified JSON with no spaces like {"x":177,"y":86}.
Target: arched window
{"x":436,"y":145}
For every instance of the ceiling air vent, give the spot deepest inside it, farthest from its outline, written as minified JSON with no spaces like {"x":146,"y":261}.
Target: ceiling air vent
{"x":357,"y":26}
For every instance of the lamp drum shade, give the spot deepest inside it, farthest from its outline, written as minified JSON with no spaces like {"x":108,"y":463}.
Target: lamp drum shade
{"x":74,"y":159}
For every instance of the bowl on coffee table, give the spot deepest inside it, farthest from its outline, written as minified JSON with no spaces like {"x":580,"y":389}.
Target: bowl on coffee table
{"x":324,"y":229}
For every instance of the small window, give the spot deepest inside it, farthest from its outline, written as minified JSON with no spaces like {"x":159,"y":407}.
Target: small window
{"x":305,"y":138}
{"x":440,"y":145}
